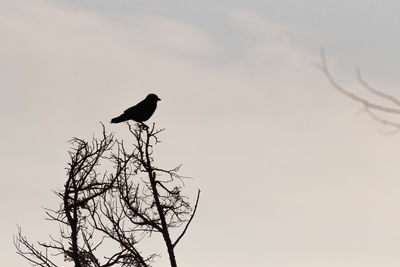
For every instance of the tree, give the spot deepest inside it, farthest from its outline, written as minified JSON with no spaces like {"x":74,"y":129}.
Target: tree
{"x":378,"y":112}
{"x":114,"y":211}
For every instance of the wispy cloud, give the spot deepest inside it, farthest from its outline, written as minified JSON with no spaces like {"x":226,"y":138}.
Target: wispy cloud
{"x":269,"y":43}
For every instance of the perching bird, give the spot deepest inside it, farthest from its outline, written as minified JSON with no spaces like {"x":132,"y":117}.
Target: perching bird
{"x":141,"y":112}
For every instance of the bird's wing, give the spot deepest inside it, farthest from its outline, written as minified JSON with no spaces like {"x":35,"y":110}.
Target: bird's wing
{"x":132,"y":110}
{"x":129,"y":110}
{"x":138,"y":108}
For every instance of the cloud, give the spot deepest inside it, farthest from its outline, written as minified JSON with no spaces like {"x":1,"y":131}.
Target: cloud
{"x":252,"y":23}
{"x":163,"y":36}
{"x":270,"y":44}
{"x":52,"y":52}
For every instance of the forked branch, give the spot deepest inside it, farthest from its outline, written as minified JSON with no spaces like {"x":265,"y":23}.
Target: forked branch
{"x":371,"y":107}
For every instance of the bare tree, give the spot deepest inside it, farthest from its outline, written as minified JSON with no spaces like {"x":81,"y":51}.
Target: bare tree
{"x":378,"y":112}
{"x":102,"y":210}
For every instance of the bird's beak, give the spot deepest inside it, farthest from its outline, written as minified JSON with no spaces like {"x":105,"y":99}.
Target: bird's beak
{"x":158,"y":99}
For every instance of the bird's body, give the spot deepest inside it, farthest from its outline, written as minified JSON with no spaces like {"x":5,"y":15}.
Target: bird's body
{"x":140,"y":112}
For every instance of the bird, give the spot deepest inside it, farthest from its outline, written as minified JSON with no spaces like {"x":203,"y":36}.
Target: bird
{"x":140,"y":112}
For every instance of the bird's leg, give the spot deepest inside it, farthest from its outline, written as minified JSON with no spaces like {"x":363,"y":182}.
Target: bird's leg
{"x":143,"y":126}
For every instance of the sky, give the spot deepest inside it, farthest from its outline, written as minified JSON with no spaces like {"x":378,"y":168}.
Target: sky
{"x":292,"y":174}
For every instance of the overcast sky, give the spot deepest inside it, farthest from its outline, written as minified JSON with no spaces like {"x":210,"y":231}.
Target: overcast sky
{"x":290,"y":175}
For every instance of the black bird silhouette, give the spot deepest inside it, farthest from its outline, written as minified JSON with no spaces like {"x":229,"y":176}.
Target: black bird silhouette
{"x":141,"y":112}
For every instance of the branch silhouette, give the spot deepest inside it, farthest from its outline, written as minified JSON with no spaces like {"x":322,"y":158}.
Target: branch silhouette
{"x":115,"y":197}
{"x":374,"y":110}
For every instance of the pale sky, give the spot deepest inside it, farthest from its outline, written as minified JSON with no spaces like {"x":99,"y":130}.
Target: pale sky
{"x":290,"y":175}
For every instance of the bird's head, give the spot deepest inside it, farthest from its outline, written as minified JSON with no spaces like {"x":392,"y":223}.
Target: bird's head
{"x":153,"y":97}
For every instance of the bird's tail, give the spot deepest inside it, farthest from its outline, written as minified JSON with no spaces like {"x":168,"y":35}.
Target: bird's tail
{"x":119,"y":119}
